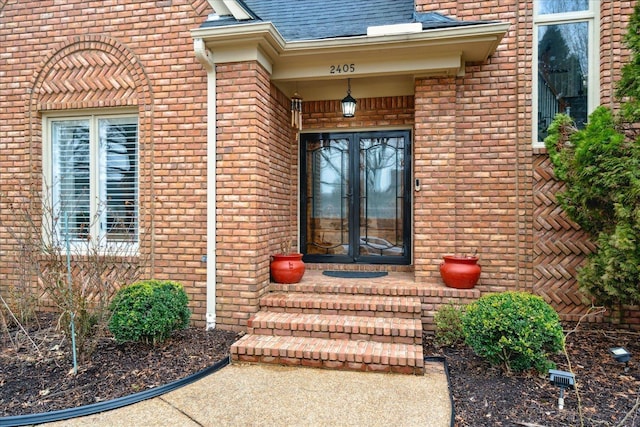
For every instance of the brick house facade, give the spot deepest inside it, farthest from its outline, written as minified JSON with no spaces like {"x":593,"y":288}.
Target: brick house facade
{"x":219,"y":163}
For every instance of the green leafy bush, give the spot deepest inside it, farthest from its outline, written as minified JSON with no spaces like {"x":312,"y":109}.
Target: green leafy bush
{"x":448,"y":320}
{"x":149,"y":311}
{"x":516,"y":330}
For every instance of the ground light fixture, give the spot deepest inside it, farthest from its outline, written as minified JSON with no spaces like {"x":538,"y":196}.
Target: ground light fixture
{"x":621,"y":355}
{"x":348,"y":102}
{"x":563,"y":380}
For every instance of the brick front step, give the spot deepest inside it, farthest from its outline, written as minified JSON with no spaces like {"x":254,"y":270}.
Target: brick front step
{"x":330,"y":353}
{"x":395,"y":284}
{"x":343,"y":304}
{"x":357,"y":328}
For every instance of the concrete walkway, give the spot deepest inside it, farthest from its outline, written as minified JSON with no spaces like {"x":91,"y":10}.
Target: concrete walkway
{"x":261,"y":395}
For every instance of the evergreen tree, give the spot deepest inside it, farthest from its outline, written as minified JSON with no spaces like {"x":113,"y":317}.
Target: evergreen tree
{"x":600,"y":166}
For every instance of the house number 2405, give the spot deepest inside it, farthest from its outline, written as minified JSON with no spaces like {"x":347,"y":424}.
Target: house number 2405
{"x":342,"y":68}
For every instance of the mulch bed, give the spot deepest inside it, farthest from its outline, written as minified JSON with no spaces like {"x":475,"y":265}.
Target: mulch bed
{"x":483,"y":395}
{"x":33,"y":383}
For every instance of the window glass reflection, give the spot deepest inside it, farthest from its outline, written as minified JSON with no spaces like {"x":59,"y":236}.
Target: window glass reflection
{"x":546,"y":7}
{"x":563,"y":64}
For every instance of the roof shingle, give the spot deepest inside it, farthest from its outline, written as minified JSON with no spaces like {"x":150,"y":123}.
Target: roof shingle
{"x":322,"y":19}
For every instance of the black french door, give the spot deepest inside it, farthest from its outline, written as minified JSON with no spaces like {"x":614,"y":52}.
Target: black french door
{"x":355,"y":197}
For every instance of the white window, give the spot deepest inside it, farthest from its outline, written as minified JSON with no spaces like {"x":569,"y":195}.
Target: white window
{"x":565,"y":67}
{"x":91,"y":174}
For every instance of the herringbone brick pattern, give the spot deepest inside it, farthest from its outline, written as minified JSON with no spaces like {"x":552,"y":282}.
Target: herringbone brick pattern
{"x":91,"y":281}
{"x":560,"y":246}
{"x":86,"y":77}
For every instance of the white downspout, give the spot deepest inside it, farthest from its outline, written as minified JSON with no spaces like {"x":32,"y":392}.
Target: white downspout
{"x":205,"y":57}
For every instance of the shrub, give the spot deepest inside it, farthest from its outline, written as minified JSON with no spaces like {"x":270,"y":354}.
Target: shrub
{"x":516,"y":330}
{"x":448,"y":320}
{"x":42,"y":262}
{"x":148,"y":311}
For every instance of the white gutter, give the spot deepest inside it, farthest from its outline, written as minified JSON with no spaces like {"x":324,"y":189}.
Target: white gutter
{"x":205,"y":57}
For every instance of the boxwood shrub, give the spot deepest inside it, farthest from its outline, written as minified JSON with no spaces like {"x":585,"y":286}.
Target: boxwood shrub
{"x":448,"y":321}
{"x":148,"y":311}
{"x":516,"y":330}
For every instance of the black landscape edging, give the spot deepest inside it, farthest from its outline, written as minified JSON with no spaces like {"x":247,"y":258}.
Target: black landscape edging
{"x":94,"y":408}
{"x":446,"y":370}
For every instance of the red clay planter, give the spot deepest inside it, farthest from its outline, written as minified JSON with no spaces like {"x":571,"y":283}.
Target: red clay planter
{"x":287,"y":268}
{"x":460,"y":272}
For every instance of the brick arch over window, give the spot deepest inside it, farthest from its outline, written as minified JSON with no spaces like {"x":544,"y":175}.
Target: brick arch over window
{"x":90,"y":72}
{"x":93,"y":71}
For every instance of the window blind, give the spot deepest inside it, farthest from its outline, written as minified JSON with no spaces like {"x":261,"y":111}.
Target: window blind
{"x":71,"y":178}
{"x":95,"y":178}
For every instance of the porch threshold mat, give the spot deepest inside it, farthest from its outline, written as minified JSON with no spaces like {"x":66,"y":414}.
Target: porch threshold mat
{"x":354,"y":274}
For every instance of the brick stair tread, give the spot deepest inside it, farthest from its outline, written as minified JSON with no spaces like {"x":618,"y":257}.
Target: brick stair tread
{"x":384,"y":326}
{"x":318,"y":349}
{"x":335,"y":287}
{"x":343,"y":302}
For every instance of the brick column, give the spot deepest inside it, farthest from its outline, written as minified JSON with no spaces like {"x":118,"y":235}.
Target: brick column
{"x":434,"y":165}
{"x":243,"y":122}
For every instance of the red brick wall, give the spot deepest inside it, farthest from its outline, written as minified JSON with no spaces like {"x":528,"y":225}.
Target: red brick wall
{"x":370,"y":112}
{"x":434,"y":165}
{"x":614,"y":17}
{"x":256,"y":186}
{"x":507,"y":208}
{"x":242,"y":187}
{"x":482,"y":184}
{"x":283,"y":176}
{"x":112,"y":53}
{"x":473,"y":150}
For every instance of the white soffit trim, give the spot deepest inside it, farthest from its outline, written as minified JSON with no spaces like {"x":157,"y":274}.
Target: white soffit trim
{"x":442,"y":51}
{"x":230,"y":7}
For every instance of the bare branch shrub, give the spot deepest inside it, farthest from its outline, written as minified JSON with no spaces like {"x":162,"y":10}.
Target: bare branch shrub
{"x":72,"y":274}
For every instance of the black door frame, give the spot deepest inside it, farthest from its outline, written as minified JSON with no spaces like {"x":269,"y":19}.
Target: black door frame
{"x":354,"y":230}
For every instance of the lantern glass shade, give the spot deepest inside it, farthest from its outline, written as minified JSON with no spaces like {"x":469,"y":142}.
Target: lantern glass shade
{"x":348,"y":106}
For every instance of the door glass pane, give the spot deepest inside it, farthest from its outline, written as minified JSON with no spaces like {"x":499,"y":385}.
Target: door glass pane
{"x":563,"y":64}
{"x":381,"y":196}
{"x":561,"y":6}
{"x":71,"y":178}
{"x":328,"y":197}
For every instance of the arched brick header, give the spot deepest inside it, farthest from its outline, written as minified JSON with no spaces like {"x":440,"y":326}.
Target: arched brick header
{"x":94,"y":71}
{"x":89,"y":72}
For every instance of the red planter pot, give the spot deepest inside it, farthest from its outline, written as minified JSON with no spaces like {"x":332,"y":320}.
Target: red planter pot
{"x":460,"y":272}
{"x":287,"y":268}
